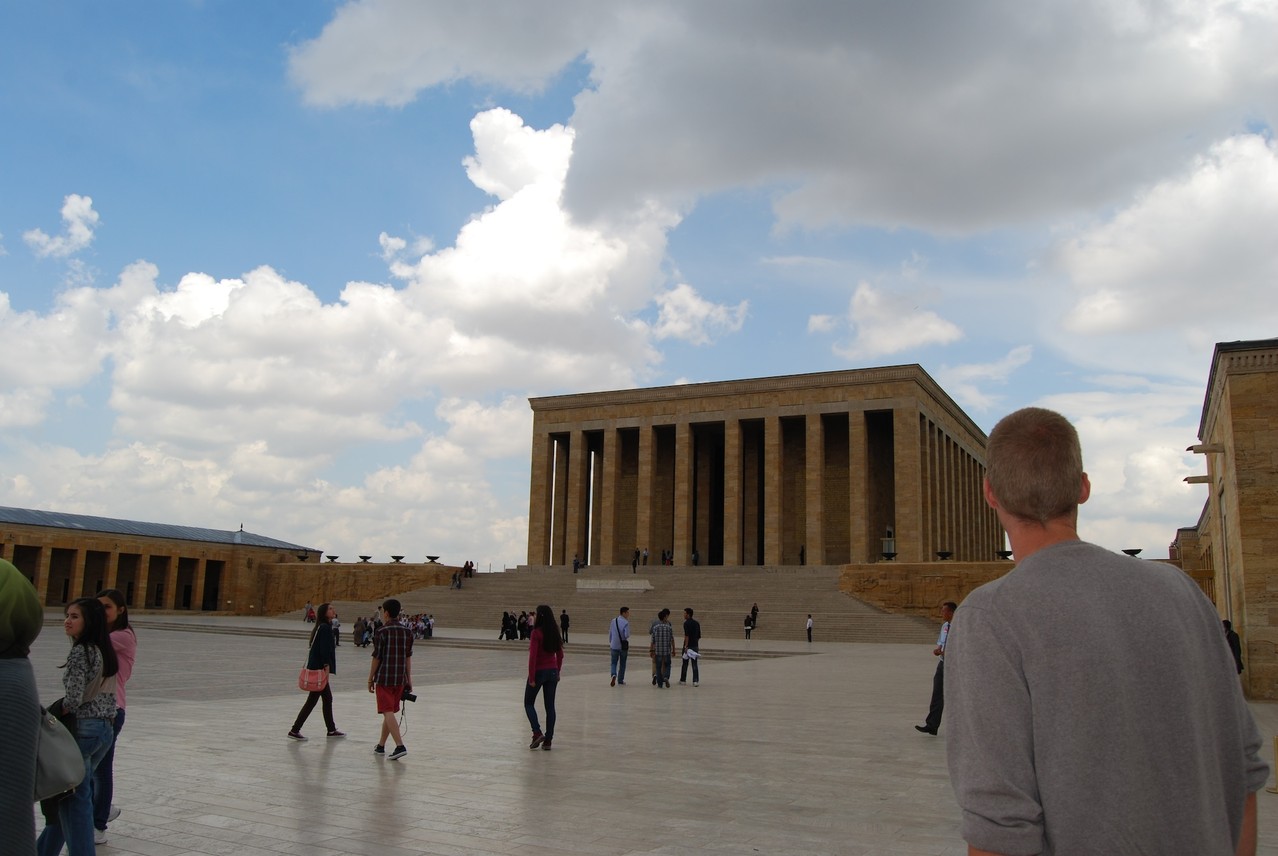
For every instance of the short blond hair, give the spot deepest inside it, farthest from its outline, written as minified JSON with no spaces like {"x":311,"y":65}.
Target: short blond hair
{"x":1035,"y":464}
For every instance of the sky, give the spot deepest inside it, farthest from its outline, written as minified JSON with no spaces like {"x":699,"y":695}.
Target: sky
{"x":298,"y":266}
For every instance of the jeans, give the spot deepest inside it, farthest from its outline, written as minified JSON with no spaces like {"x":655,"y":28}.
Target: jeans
{"x":75,"y":813}
{"x":548,"y":680}
{"x":325,"y":695}
{"x":663,"y":669}
{"x":104,"y":777}
{"x":618,"y":667}
{"x":696,"y":670}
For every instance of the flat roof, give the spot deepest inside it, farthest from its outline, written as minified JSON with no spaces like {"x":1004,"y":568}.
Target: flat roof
{"x":89,"y":523}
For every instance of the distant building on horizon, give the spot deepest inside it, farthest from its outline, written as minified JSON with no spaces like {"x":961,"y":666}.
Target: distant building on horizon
{"x":155,"y":565}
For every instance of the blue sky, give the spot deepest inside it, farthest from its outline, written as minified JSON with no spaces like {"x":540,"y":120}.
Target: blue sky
{"x":299,"y":265}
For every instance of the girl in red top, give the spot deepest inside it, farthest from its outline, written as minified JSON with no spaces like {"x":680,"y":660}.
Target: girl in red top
{"x":545,"y":658}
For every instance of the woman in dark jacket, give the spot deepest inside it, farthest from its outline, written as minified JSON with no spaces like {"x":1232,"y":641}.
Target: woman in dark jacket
{"x":323,"y":656}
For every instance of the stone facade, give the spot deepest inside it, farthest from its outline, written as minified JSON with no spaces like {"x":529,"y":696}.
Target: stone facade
{"x":816,"y":468}
{"x":1235,"y":543}
{"x":175,"y":568}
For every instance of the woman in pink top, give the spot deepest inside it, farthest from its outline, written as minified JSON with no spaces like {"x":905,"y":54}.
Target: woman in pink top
{"x":125,"y":643}
{"x":545,"y":658}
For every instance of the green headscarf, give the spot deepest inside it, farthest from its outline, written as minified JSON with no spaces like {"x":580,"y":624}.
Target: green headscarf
{"x":21,"y":616}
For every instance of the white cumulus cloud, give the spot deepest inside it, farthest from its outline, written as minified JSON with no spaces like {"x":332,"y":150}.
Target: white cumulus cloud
{"x":79,"y":220}
{"x":884,"y":323}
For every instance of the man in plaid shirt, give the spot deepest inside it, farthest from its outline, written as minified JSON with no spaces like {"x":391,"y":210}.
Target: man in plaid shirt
{"x":391,"y":674}
{"x":662,"y":647}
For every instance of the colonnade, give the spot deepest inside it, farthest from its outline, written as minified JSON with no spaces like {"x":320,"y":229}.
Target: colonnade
{"x":788,"y":485}
{"x":158,"y":580}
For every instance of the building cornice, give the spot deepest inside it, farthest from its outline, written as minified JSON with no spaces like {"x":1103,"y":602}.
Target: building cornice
{"x":1230,"y":358}
{"x":714,"y":389}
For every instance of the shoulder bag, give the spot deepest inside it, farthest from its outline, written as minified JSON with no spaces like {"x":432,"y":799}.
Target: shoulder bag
{"x":311,"y":680}
{"x":59,"y":764}
{"x":625,"y":643}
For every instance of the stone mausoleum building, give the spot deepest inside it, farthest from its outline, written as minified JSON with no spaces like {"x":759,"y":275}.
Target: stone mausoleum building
{"x":1233,"y":549}
{"x":828,"y":468}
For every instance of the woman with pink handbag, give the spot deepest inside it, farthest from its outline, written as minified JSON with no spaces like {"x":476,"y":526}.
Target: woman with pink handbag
{"x":321,"y":664}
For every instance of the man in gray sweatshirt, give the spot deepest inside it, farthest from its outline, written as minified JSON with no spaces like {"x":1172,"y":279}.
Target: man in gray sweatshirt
{"x":1092,"y":703}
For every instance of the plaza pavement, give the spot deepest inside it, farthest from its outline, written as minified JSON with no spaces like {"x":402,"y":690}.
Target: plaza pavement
{"x":810,"y":753}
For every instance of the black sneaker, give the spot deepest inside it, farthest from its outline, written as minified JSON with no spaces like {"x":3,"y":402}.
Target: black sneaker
{"x":536,"y":741}
{"x":546,"y":744}
{"x":400,"y":752}
{"x":296,"y":735}
{"x":379,"y":749}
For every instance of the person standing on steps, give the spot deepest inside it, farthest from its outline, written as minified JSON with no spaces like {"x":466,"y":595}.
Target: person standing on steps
{"x":809,"y":627}
{"x":937,"y":706}
{"x":563,"y":624}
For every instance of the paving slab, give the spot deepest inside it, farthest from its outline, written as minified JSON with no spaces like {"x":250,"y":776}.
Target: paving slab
{"x":808,"y":753}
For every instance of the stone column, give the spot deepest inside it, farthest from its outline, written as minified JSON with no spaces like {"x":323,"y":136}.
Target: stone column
{"x":684,"y":462}
{"x":643,"y":500}
{"x":908,"y":466}
{"x":540,"y":500}
{"x":732,"y":492}
{"x":607,"y":547}
{"x":42,"y":574}
{"x":197,"y":584}
{"x":171,"y":583}
{"x":772,"y":464}
{"x":112,"y":571}
{"x":860,"y":548}
{"x":814,"y":546}
{"x":577,"y":511}
{"x":78,"y":573}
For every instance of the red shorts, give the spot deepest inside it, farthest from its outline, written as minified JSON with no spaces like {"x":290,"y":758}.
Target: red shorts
{"x":388,"y":698}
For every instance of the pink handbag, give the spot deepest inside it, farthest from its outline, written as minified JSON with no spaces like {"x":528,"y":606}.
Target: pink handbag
{"x":312,"y":680}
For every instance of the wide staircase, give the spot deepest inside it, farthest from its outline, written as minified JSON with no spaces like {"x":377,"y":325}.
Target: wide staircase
{"x":721,"y":597}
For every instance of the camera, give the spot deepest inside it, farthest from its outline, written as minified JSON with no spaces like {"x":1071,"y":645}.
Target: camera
{"x":407,"y":694}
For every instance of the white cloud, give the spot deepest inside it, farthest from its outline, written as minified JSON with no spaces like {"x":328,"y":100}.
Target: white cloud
{"x":386,"y":51}
{"x":883,"y":323}
{"x":1133,"y":450}
{"x":965,"y":382}
{"x":822,"y":323}
{"x":1178,"y":263}
{"x":235,"y":399}
{"x":686,"y":315}
{"x":79,"y":219}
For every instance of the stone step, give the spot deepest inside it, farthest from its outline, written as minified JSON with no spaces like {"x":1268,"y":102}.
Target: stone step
{"x":721,"y":597}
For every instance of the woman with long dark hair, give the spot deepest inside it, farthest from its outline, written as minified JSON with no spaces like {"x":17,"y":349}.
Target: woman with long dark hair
{"x":545,"y":659}
{"x":125,"y":643}
{"x":323,"y":655}
{"x":89,"y":683}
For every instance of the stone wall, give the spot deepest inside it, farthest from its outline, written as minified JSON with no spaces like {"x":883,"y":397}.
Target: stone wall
{"x":286,"y":587}
{"x":918,"y":589}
